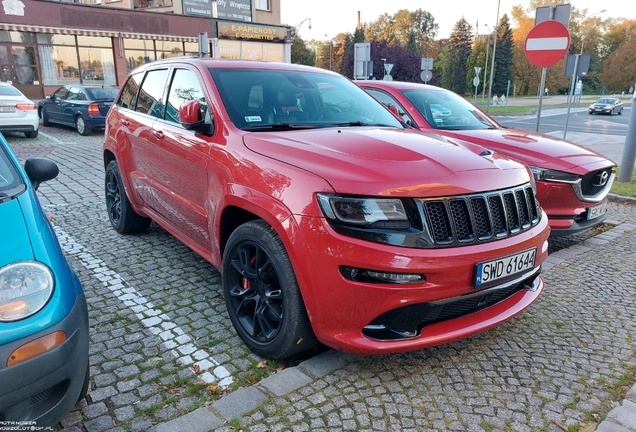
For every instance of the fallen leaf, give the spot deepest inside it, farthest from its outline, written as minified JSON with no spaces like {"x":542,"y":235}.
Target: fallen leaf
{"x":422,"y":405}
{"x":589,"y":427}
{"x":201,"y":383}
{"x":196,"y":369}
{"x":253,"y":379}
{"x":50,"y":218}
{"x":213,"y":388}
{"x":261,"y":364}
{"x":299,"y":341}
{"x":218,"y":301}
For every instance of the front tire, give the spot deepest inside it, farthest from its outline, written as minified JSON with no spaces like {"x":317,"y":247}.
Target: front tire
{"x":620,"y":112}
{"x":82,"y":127}
{"x":45,"y":117}
{"x":262,"y":294}
{"x":122,"y":217}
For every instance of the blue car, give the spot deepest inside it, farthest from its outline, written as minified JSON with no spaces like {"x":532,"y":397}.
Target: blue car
{"x":81,"y":106}
{"x":43,"y":314}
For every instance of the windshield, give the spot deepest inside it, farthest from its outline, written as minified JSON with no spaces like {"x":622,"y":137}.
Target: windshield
{"x":605,"y":101}
{"x":105,"y":93}
{"x":448,"y":111}
{"x":11,"y":183}
{"x":262,"y":100}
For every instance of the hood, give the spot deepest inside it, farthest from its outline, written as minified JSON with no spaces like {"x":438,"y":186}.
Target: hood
{"x":539,"y":150}
{"x":15,"y":244}
{"x":384,"y":161}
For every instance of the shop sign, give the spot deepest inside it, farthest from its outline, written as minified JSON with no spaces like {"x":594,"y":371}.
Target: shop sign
{"x":240,"y":10}
{"x":197,"y":8}
{"x":251,"y":32}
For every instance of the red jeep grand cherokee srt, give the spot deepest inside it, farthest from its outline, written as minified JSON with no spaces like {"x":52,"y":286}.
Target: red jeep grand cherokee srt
{"x":572,"y":181}
{"x":327,"y":220}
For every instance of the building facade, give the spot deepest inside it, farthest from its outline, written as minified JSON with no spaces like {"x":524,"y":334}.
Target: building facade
{"x":46,"y":44}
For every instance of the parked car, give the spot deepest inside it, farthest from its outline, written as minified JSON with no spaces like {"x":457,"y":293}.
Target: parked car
{"x":328,"y":220}
{"x":81,"y":106}
{"x":43,"y":314}
{"x":572,"y":181}
{"x":17,"y":112}
{"x":606,"y":106}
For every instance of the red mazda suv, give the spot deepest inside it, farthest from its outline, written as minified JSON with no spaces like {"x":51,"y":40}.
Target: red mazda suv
{"x":328,"y":220}
{"x":572,"y":181}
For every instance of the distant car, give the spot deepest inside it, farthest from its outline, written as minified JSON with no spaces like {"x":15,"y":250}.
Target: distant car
{"x":81,"y":106}
{"x":43,"y":313}
{"x":572,"y":181}
{"x":606,"y":106}
{"x":17,"y":112}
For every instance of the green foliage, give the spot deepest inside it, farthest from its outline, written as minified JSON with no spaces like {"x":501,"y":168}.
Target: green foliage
{"x":459,"y":49}
{"x":503,"y":57}
{"x":396,"y":29}
{"x":300,"y":54}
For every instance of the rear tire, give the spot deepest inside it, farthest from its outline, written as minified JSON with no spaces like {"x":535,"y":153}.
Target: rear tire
{"x":81,"y":126}
{"x":122,"y":217}
{"x":262,"y":294}
{"x":31,"y":134}
{"x":45,"y":118}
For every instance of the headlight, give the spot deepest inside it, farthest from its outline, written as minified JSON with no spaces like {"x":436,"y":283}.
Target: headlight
{"x":25,"y":287}
{"x":365,"y":212}
{"x":591,"y":106}
{"x":552,"y":175}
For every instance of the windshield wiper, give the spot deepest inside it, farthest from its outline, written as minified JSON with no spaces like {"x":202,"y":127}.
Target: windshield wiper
{"x":353,"y":123}
{"x":279,"y":127}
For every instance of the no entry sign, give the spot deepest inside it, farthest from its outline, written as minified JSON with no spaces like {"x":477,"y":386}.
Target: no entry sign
{"x":547,"y":43}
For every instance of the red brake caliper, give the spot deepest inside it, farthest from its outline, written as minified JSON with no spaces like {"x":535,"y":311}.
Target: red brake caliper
{"x":246,"y":284}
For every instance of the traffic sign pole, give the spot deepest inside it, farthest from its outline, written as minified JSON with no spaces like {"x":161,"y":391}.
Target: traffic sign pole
{"x":567,"y":117}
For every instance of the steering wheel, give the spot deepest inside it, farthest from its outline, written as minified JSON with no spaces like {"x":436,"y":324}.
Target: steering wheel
{"x":326,"y":110}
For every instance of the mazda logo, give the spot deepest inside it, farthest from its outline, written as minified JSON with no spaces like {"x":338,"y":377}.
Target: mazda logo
{"x":600,"y":179}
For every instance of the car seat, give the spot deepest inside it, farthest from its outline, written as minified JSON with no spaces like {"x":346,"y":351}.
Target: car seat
{"x":286,"y":105}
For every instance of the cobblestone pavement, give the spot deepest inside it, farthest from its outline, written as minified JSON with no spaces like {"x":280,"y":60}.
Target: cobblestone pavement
{"x":164,"y":355}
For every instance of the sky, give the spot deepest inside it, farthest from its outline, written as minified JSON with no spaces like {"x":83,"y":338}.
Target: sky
{"x":330,"y":17}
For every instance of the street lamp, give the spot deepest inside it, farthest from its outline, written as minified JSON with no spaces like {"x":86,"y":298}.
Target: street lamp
{"x":297,"y":27}
{"x":483,"y":91}
{"x":330,"y":47}
{"x":492,"y":64}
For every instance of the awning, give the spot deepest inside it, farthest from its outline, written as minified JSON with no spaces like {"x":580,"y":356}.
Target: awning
{"x":89,"y":32}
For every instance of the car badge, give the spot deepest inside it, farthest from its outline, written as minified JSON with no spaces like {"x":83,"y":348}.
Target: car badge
{"x":600,"y":179}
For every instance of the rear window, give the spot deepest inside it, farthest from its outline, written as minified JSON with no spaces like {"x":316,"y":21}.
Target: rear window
{"x":9,"y":91}
{"x":106,"y":93}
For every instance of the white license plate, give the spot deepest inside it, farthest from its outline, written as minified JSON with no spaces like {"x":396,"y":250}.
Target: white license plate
{"x":596,"y":211}
{"x":489,"y":272}
{"x":7,"y":109}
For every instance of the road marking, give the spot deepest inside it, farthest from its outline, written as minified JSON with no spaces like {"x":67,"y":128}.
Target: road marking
{"x":174,"y":339}
{"x":51,"y":137}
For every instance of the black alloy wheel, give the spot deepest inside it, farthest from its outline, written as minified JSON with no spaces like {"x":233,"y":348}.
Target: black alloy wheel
{"x":262,"y":294}
{"x":122,"y":217}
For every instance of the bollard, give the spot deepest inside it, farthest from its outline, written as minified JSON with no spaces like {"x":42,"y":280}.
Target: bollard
{"x":629,"y":151}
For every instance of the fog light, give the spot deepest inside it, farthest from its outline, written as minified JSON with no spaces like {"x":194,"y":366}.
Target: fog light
{"x":374,"y":276}
{"x":36,"y":347}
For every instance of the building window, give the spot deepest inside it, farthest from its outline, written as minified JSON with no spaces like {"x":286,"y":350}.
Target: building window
{"x":262,"y":5}
{"x":59,"y":64}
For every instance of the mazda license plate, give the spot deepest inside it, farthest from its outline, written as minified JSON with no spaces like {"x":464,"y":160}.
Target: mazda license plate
{"x":596,"y":211}
{"x":489,"y":272}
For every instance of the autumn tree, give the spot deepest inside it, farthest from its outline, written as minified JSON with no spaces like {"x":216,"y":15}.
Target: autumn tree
{"x":618,"y":69}
{"x":406,"y":64}
{"x":398,"y":28}
{"x":459,"y":49}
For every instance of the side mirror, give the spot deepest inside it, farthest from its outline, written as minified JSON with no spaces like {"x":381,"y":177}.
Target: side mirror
{"x":190,"y":117}
{"x":40,"y":170}
{"x":48,"y":97}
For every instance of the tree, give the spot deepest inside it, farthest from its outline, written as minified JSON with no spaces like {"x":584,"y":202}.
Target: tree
{"x":503,"y":57}
{"x":477,"y":58}
{"x":459,"y":49}
{"x":398,"y":28}
{"x":618,"y":69}
{"x":406,"y":64}
{"x":300,"y":53}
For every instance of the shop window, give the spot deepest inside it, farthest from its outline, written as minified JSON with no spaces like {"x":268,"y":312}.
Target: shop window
{"x":229,"y":49}
{"x":139,"y":44}
{"x":56,"y":39}
{"x":252,"y":51}
{"x":273,"y":52}
{"x":98,"y":66}
{"x":16,"y":37}
{"x":93,"y":41}
{"x":167,"y":49}
{"x":136,"y":58}
{"x":59,"y":64}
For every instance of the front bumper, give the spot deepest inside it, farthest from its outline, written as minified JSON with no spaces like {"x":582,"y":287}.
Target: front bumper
{"x":46,"y":387}
{"x":341,"y":309}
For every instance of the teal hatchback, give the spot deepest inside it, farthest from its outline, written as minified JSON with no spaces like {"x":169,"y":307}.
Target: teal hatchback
{"x":43,"y":313}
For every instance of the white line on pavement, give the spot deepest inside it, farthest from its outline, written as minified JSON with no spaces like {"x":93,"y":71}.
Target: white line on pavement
{"x":51,"y":137}
{"x":173,"y":338}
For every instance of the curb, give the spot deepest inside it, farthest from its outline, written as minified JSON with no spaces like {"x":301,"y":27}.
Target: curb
{"x":621,"y":199}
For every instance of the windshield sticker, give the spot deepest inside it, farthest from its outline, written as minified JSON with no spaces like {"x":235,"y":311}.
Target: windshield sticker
{"x":251,"y":119}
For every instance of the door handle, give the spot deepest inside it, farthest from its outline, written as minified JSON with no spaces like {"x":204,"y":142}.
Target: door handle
{"x":158,"y":134}
{"x":125,"y":122}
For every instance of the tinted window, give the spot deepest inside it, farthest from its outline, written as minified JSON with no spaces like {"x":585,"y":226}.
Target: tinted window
{"x":258,"y":99}
{"x":185,"y":87}
{"x":389,"y":101}
{"x":150,"y":100}
{"x":105,"y":93}
{"x":60,"y":93}
{"x":128,"y":97}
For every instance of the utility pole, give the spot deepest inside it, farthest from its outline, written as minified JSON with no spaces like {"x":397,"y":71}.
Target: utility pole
{"x":483,"y":91}
{"x":492,"y":64}
{"x":629,"y":150}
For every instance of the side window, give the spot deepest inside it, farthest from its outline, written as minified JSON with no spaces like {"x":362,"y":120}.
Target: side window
{"x":389,"y":101}
{"x":59,"y":93}
{"x":185,"y":87}
{"x":128,"y":97}
{"x":150,"y":96}
{"x":81,"y":95}
{"x":73,"y":94}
